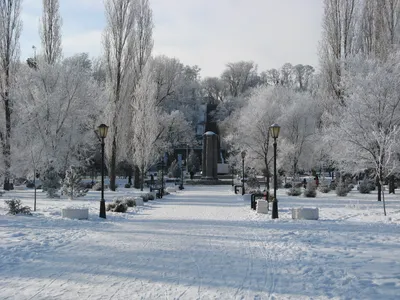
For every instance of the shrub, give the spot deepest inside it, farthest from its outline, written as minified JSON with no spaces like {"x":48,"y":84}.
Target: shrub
{"x":30,"y":185}
{"x":287,"y":185}
{"x":364,"y":187}
{"x":111,"y":206}
{"x":15,"y":207}
{"x":150,"y":196}
{"x":252,"y":183}
{"x":130,"y":202}
{"x":51,"y":183}
{"x":97,"y":187}
{"x":311,"y":190}
{"x":324,"y":189}
{"x":118,"y":199}
{"x":144,"y":197}
{"x":73,"y":185}
{"x":127,"y":185}
{"x":342,"y":190}
{"x":332,"y":185}
{"x":120,"y":207}
{"x":372,"y":185}
{"x":294,"y":191}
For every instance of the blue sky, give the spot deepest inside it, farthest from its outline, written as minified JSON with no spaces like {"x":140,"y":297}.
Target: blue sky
{"x":207,"y":33}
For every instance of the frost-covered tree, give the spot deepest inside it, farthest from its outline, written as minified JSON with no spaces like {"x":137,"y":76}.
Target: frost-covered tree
{"x":240,"y":76}
{"x":10,"y":30}
{"x":58,"y":109}
{"x":50,"y":31}
{"x":298,"y":123}
{"x":72,"y":184}
{"x":51,"y":183}
{"x":214,"y":89}
{"x":365,"y":133}
{"x":127,"y":44}
{"x":251,"y":131}
{"x":145,"y":125}
{"x":339,"y":28}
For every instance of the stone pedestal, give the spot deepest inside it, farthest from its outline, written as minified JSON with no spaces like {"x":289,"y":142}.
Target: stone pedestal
{"x":305,"y":213}
{"x":262,"y":206}
{"x":75,"y":213}
{"x":210,"y":156}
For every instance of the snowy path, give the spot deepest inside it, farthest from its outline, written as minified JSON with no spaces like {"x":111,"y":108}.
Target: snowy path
{"x":202,"y":243}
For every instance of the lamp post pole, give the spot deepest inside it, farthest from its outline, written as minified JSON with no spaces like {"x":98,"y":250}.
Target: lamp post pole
{"x":274,"y":130}
{"x":102,"y":129}
{"x":275,"y":203}
{"x":243,"y":156}
{"x":102,"y":201}
{"x":162,"y":178}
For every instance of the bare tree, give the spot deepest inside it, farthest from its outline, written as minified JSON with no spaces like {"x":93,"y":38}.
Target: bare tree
{"x":50,"y":31}
{"x":127,"y":44}
{"x":240,"y":76}
{"x":10,"y":30}
{"x":339,"y":23}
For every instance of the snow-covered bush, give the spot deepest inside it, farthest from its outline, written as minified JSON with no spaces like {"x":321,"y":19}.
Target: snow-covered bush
{"x":311,"y":190}
{"x":324,"y":187}
{"x":342,"y":189}
{"x":120,"y":207}
{"x":127,"y":185}
{"x":97,"y":187}
{"x":73,"y":186}
{"x":145,"y":197}
{"x":332,"y":185}
{"x":118,"y":199}
{"x":252,"y":183}
{"x":51,"y":183}
{"x":130,"y":201}
{"x":364,"y":187}
{"x":15,"y":207}
{"x":111,"y":206}
{"x":150,"y":196}
{"x":294,"y":191}
{"x":288,"y":185}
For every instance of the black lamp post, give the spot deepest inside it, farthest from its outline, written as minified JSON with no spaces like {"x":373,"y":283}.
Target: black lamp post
{"x":274,"y":130}
{"x":243,"y":156}
{"x":103,"y":129}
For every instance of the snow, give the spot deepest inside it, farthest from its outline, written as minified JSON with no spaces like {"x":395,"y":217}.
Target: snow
{"x":201,"y":243}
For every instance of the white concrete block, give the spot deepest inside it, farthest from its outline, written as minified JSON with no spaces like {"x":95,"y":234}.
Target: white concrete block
{"x":139,"y":201}
{"x":305,"y":213}
{"x":75,"y":213}
{"x":262,"y":206}
{"x":171,"y":189}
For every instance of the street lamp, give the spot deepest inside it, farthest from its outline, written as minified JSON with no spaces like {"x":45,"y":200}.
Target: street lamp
{"x":103,"y":129}
{"x":274,"y":130}
{"x":243,"y":156}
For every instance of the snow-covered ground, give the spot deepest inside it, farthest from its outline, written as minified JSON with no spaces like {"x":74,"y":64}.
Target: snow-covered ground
{"x":202,"y":243}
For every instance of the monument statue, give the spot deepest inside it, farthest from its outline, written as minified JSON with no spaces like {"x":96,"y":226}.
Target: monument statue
{"x":210,"y":156}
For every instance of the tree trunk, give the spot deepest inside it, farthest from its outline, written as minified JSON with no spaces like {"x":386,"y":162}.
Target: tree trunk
{"x":7,"y":146}
{"x":379,"y":186}
{"x":113,"y":164}
{"x":391,"y":185}
{"x":136,"y":181}
{"x":142,"y":178}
